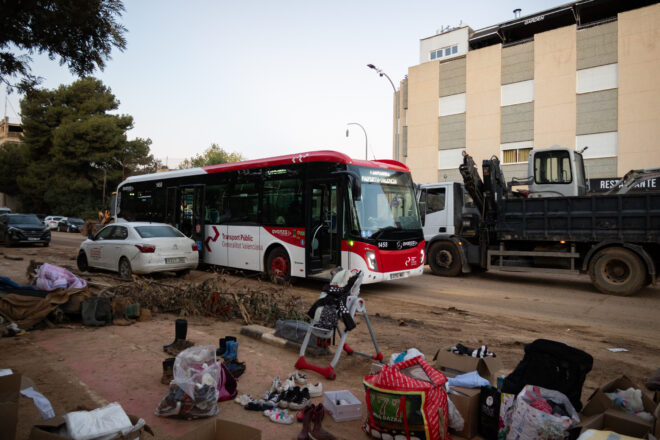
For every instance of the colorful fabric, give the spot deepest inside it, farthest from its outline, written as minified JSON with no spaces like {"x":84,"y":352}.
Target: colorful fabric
{"x":53,"y":277}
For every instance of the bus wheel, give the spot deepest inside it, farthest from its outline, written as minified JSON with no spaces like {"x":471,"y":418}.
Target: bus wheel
{"x":617,"y":271}
{"x":278,"y":266}
{"x":444,"y":259}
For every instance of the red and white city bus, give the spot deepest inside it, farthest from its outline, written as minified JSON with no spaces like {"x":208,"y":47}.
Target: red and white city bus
{"x":298,"y":215}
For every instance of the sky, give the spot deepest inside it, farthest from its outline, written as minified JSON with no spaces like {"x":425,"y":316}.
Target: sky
{"x":266,"y":78}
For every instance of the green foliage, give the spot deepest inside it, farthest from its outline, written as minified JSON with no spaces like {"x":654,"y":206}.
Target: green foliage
{"x":73,"y":145}
{"x":80,"y":34}
{"x":13,"y":162}
{"x":212,"y":156}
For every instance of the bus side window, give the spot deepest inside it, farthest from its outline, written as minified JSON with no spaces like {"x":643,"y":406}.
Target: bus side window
{"x":216,"y":207}
{"x":283,"y":202}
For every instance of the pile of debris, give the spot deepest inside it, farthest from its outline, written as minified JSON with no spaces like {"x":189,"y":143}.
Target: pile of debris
{"x":262,"y":303}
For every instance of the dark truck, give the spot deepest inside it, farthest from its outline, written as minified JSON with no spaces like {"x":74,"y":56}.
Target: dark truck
{"x":554,"y":227}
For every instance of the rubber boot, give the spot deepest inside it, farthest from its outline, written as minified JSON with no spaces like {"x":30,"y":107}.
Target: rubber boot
{"x":89,"y":313}
{"x":223,"y":345}
{"x":180,"y":332}
{"x":318,"y":433}
{"x":231,"y":354}
{"x":306,"y":421}
{"x":168,"y":371}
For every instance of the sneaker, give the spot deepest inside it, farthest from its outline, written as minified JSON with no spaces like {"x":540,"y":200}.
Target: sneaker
{"x":298,"y":377}
{"x":259,"y":406}
{"x":288,"y":384}
{"x":282,"y":416}
{"x":300,"y":400}
{"x":244,"y":399}
{"x":288,"y":397}
{"x":276,"y":385}
{"x":275,"y":397}
{"x":270,"y":412}
{"x":315,"y":390}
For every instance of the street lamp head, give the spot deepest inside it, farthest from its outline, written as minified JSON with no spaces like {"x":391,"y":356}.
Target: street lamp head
{"x":371,"y":66}
{"x":347,"y":132}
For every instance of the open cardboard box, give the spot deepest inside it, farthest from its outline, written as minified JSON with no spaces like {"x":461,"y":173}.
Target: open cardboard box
{"x":467,"y":399}
{"x":218,"y":429}
{"x":48,"y":430}
{"x":599,"y":403}
{"x":10,"y":387}
{"x":617,"y":421}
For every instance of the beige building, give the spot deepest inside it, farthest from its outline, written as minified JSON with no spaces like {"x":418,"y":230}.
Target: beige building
{"x":10,"y":132}
{"x":584,"y":74}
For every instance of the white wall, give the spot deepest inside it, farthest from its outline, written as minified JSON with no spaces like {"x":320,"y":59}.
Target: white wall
{"x":452,"y":104}
{"x":600,"y":144}
{"x":457,"y":37}
{"x":518,"y":92}
{"x":597,"y":78}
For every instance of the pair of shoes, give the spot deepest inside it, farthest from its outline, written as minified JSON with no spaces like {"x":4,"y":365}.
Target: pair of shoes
{"x":235,"y":368}
{"x":315,"y":390}
{"x":295,"y":398}
{"x":314,"y":414}
{"x":244,"y":399}
{"x":228,"y":349}
{"x":281,"y":416}
{"x":222,"y":342}
{"x":180,"y":343}
{"x":168,"y":371}
{"x":259,"y":406}
{"x":298,"y":377}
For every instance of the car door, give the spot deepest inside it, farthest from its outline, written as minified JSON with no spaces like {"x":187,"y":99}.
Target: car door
{"x":120,"y":246}
{"x":99,"y":251}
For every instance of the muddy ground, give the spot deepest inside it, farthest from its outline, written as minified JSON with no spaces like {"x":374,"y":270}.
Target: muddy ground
{"x":77,"y":366}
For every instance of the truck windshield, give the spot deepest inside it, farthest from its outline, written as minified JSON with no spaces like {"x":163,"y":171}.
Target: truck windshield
{"x":552,"y":167}
{"x":387,"y":205}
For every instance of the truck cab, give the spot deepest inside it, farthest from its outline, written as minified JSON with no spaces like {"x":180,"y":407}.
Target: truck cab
{"x":555,"y":172}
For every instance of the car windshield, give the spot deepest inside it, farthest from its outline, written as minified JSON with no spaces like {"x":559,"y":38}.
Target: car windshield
{"x":387,"y":204}
{"x":76,"y":220}
{"x":157,"y":231}
{"x":24,"y":220}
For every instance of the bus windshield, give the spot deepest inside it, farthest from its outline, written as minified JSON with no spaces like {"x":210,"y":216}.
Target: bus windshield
{"x":387,"y":204}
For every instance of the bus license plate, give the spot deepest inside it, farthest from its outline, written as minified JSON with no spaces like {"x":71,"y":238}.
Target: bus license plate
{"x":175,"y":260}
{"x":394,"y":276}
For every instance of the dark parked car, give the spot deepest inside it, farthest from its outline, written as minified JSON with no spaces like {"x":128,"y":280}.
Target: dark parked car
{"x":23,"y":228}
{"x":70,"y":224}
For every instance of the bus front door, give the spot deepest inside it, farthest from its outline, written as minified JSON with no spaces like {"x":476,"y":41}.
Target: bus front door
{"x":323,"y":228}
{"x":187,"y":212}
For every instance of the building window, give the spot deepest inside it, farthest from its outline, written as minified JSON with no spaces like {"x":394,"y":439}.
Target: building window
{"x":517,"y":152}
{"x":444,"y":52}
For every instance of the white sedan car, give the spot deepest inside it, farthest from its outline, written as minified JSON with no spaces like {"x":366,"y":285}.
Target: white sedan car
{"x":136,"y":247}
{"x":52,"y":221}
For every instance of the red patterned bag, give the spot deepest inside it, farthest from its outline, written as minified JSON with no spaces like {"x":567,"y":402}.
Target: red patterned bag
{"x":407,"y":400}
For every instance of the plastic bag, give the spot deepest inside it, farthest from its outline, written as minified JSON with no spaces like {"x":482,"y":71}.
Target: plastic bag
{"x":530,"y":423}
{"x":86,"y":425}
{"x":194,"y":391}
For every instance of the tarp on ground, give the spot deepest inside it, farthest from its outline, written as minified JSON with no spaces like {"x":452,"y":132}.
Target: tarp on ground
{"x":28,"y":311}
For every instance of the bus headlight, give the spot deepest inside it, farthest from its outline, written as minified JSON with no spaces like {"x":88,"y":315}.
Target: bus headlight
{"x":371,"y":261}
{"x":421,"y":257}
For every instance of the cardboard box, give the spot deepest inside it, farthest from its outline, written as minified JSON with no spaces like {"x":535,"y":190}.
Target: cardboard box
{"x":49,"y":429}
{"x":454,"y":364}
{"x":10,"y":387}
{"x":467,"y":399}
{"x":617,"y":421}
{"x":218,"y":429}
{"x":342,"y":413}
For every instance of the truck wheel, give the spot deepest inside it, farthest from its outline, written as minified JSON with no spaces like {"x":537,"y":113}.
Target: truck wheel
{"x":617,"y":271}
{"x":278,"y":266}
{"x":444,"y":259}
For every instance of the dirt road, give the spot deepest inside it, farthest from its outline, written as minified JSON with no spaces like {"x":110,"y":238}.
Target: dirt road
{"x":429,"y":313}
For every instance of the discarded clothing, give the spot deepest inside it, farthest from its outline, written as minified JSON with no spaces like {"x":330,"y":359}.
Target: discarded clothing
{"x":51,"y":277}
{"x":8,"y":284}
{"x":468,"y":380}
{"x":630,"y":401}
{"x":334,"y":303}
{"x":404,"y":356}
{"x":28,"y":311}
{"x":480,"y":352}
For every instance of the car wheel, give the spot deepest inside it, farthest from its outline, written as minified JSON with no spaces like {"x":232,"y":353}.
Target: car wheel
{"x":83,"y":266}
{"x":444,"y":259}
{"x":125,"y":270}
{"x":278,"y":266}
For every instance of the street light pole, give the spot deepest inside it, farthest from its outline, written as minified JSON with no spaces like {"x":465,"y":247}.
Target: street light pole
{"x":396,"y":95}
{"x":366,"y":142}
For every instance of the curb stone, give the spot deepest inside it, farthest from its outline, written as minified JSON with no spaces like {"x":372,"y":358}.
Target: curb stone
{"x":267,"y":335}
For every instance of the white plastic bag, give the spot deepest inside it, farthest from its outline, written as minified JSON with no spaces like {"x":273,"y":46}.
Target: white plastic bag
{"x":194,"y":391}
{"x":529,"y":423}
{"x":87,"y":425}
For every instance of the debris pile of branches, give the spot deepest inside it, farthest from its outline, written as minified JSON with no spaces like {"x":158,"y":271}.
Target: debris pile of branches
{"x":262,"y":303}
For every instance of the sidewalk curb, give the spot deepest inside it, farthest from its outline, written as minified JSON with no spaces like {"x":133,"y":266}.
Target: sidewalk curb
{"x":267,"y":335}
